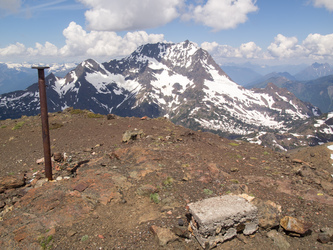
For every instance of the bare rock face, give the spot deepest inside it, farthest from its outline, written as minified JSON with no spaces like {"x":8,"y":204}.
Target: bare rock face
{"x":218,"y":219}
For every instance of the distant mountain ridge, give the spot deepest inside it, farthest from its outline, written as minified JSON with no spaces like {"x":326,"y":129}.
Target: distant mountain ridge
{"x":179,"y":81}
{"x":18,"y":76}
{"x":251,"y":76}
{"x":318,"y":92}
{"x":316,"y":70}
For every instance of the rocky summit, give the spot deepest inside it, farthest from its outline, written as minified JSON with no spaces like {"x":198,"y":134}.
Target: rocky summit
{"x":130,"y":182}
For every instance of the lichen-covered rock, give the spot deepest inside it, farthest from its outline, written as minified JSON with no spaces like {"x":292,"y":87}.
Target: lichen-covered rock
{"x":132,"y":135}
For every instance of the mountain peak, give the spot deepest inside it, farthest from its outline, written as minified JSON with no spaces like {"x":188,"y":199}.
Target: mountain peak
{"x":314,"y":71}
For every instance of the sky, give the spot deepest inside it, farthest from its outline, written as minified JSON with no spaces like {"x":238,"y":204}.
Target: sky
{"x":270,"y":32}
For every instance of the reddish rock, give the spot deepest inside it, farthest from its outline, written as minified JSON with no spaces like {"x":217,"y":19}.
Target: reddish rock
{"x":81,"y":186}
{"x":205,"y":179}
{"x":163,"y":235}
{"x":11,"y":181}
{"x":213,"y":169}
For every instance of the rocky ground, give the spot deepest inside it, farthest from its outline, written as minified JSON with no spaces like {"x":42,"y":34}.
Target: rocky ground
{"x":110,"y":192}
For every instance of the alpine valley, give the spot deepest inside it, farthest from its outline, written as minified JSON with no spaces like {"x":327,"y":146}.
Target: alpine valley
{"x":183,"y":83}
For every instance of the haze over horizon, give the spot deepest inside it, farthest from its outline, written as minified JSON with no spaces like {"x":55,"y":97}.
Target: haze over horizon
{"x":232,"y":31}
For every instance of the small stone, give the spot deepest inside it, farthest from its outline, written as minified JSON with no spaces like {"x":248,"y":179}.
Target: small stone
{"x":250,"y":228}
{"x":294,"y":225}
{"x":163,"y":235}
{"x":40,"y":161}
{"x":52,"y":231}
{"x":278,"y":239}
{"x":59,"y":178}
{"x":297,"y":161}
{"x":58,"y":157}
{"x":71,"y":233}
{"x":181,"y":232}
{"x":110,"y":116}
{"x":180,"y":222}
{"x":41,"y":182}
{"x":325,"y":236}
{"x":81,"y":186}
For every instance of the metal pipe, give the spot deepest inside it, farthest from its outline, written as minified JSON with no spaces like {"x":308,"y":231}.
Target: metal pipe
{"x":45,"y":122}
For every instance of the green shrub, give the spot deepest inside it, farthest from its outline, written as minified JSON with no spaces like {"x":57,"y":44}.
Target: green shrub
{"x":76,"y":111}
{"x":155,"y":198}
{"x":208,"y":191}
{"x":45,"y":241}
{"x":55,"y":126}
{"x":18,"y":125}
{"x":84,"y":238}
{"x":93,"y":115}
{"x":168,"y":182}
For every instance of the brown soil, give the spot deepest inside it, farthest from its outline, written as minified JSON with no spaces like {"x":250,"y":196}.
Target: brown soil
{"x":117,"y":191}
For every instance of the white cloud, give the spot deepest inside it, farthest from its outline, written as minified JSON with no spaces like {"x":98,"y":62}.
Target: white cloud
{"x":81,"y":45}
{"x":328,"y":4}
{"x":221,"y":14}
{"x":319,"y":46}
{"x":284,"y":47}
{"x":10,"y":5}
{"x":48,"y":49}
{"x":247,"y":50}
{"x":250,"y":50}
{"x":103,"y":43}
{"x":115,"y":15}
{"x":13,"y":49}
{"x":315,"y":46}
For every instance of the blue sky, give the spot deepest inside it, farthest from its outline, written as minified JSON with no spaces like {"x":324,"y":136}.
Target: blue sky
{"x":233,"y":31}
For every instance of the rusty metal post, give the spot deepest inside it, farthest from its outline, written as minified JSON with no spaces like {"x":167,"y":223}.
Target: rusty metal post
{"x":45,"y":122}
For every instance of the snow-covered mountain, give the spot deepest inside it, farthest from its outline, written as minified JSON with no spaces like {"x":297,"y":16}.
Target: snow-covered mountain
{"x":180,"y":81}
